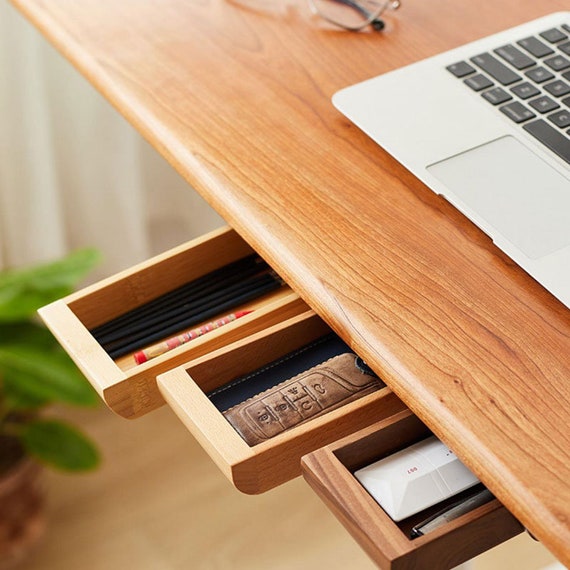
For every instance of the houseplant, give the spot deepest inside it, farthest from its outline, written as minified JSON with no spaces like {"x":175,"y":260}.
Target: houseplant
{"x":35,"y":373}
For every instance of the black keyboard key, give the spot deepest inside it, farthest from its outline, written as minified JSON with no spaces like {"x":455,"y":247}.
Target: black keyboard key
{"x":515,"y":56}
{"x":496,"y":96}
{"x":566,"y":101}
{"x":535,"y":47}
{"x":525,"y":90}
{"x":557,"y":62}
{"x":539,"y":74}
{"x":543,"y":104}
{"x":549,"y":136}
{"x":557,"y":88}
{"x":566,"y":75}
{"x":553,"y":36}
{"x":565,"y":47}
{"x":478,"y":82}
{"x":560,"y":119}
{"x":517,"y":112}
{"x":460,"y":69}
{"x":495,"y":68}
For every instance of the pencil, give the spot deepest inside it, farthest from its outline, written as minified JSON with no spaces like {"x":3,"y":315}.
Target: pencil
{"x":227,"y":274}
{"x":142,"y":341}
{"x":176,"y":341}
{"x":162,"y":320}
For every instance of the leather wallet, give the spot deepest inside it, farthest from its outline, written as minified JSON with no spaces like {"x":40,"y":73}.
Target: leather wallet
{"x":242,"y":388}
{"x":310,"y":394}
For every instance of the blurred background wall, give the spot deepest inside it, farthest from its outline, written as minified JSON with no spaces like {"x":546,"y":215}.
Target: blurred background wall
{"x":73,"y":173}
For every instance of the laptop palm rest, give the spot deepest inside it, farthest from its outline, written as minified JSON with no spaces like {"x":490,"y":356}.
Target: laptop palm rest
{"x":513,"y":191}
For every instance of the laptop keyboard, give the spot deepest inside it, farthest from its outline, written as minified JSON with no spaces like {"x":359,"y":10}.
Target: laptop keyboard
{"x":529,"y":82}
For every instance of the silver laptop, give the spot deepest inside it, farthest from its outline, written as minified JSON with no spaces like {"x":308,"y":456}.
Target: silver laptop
{"x":487,"y":126}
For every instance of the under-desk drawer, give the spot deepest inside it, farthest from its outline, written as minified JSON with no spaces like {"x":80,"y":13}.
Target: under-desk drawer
{"x":129,"y":388}
{"x":259,"y":466}
{"x":330,"y":470}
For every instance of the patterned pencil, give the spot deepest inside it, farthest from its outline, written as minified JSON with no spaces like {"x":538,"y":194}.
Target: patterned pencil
{"x":162,"y":347}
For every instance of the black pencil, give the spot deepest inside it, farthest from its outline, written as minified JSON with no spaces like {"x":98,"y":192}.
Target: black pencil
{"x":141,"y":315}
{"x":164,"y":319}
{"x":245,"y":265}
{"x":203,"y":316}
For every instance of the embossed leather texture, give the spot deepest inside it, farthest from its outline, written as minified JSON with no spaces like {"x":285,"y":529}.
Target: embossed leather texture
{"x":312,"y":393}
{"x":304,"y":358}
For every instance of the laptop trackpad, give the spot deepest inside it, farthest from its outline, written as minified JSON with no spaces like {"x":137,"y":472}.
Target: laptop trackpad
{"x":514,"y":191}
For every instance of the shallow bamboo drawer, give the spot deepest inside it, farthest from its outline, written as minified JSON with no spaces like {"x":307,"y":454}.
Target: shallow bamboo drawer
{"x":130,"y":389}
{"x":258,"y":468}
{"x":330,"y":470}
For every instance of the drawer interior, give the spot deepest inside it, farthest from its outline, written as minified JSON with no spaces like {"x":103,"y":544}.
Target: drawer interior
{"x":260,"y":467}
{"x":128,"y":387}
{"x":330,"y":471}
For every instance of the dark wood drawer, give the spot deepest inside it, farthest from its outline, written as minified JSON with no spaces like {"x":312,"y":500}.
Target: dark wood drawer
{"x":330,"y":470}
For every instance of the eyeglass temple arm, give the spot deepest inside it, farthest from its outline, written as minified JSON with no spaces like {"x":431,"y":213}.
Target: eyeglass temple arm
{"x":376,"y":22}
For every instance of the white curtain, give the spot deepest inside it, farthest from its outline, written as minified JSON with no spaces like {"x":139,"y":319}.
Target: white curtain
{"x":73,"y":172}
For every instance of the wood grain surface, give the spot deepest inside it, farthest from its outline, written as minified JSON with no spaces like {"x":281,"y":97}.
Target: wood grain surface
{"x":239,"y":103}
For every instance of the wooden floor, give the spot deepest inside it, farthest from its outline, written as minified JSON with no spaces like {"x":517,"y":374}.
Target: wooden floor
{"x":159,"y":503}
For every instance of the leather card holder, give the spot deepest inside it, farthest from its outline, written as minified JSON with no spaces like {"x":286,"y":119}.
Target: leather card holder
{"x":310,"y":394}
{"x":277,"y":371}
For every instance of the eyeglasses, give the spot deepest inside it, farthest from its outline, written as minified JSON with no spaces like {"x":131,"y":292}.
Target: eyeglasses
{"x":351,"y":15}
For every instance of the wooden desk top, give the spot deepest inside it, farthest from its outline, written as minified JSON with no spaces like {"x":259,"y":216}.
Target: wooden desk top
{"x":239,"y":103}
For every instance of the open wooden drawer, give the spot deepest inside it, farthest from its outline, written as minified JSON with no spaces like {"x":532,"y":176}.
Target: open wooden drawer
{"x":344,"y":439}
{"x":258,"y":468}
{"x":330,"y":470}
{"x":130,"y":389}
{"x":280,"y":322}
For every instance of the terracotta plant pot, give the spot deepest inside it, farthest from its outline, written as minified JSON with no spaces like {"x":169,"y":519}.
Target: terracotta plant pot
{"x":22,"y":519}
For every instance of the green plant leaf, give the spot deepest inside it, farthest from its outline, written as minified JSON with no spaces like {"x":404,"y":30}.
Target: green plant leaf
{"x":43,"y":374}
{"x":24,"y":291}
{"x":60,"y":445}
{"x":30,"y":333}
{"x":18,"y":302}
{"x":18,"y":396}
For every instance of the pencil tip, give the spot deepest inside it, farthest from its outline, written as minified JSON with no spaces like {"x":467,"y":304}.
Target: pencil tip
{"x":239,"y":314}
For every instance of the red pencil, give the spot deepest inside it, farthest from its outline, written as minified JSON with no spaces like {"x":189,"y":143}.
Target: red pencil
{"x":162,"y":347}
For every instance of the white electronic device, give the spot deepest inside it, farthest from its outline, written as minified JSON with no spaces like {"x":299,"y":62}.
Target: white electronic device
{"x":487,"y":126}
{"x":415,"y":478}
